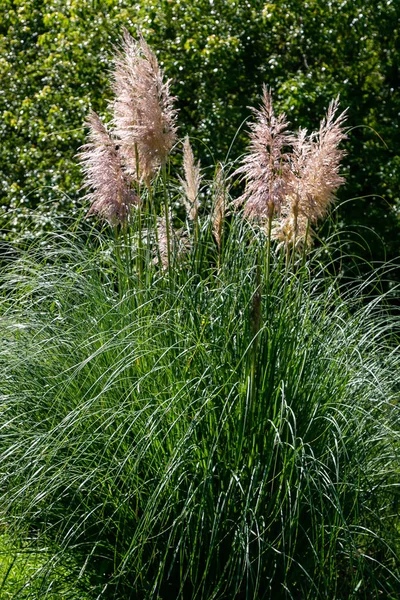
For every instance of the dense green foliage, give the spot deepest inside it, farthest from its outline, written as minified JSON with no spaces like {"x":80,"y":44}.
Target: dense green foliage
{"x":55,"y":60}
{"x":209,"y":433}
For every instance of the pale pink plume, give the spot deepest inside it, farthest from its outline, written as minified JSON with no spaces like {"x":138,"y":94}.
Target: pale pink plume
{"x":144,"y":117}
{"x":111,"y":195}
{"x":321,"y":176}
{"x":315,"y":164}
{"x":266,"y":168}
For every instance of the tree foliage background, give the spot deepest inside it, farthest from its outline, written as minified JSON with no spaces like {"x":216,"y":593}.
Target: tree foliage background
{"x":54,"y":66}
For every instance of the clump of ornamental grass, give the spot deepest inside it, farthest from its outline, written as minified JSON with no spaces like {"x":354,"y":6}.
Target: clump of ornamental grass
{"x":184,"y":415}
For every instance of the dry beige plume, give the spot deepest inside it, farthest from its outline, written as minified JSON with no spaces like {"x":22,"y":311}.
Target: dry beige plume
{"x":321,"y":178}
{"x":315,"y":164}
{"x":144,"y":117}
{"x":178,"y":240}
{"x":191,"y":183}
{"x":111,"y":195}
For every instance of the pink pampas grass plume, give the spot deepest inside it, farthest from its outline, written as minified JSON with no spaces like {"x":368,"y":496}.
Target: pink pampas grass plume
{"x":144,"y":117}
{"x":320,"y":177}
{"x":266,"y":167}
{"x":111,"y":195}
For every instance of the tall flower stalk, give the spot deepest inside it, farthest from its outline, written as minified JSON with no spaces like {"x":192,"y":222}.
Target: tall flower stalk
{"x":266,"y":167}
{"x":191,"y":185}
{"x":219,"y":208}
{"x":191,"y":182}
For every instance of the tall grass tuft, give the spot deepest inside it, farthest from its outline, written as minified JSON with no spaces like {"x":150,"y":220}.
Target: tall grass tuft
{"x":198,"y":437}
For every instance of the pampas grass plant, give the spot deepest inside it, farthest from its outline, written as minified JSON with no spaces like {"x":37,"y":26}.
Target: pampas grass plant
{"x":185,"y":414}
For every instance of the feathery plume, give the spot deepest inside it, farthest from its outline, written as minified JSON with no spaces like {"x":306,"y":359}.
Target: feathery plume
{"x":292,"y":225}
{"x":112,"y":196}
{"x":266,"y":167}
{"x":144,"y":117}
{"x":321,"y":177}
{"x":191,"y":183}
{"x":315,"y":163}
{"x":292,"y":231}
{"x":218,"y":214}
